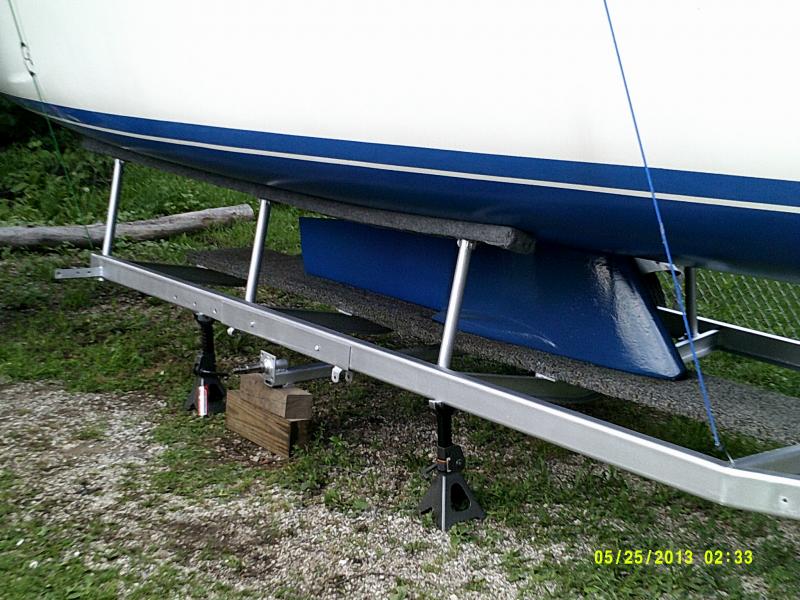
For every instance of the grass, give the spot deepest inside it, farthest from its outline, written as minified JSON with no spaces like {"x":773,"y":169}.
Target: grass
{"x":94,"y":337}
{"x":38,"y":560}
{"x":761,"y":304}
{"x":92,"y":432}
{"x":35,"y":189}
{"x":753,"y":372}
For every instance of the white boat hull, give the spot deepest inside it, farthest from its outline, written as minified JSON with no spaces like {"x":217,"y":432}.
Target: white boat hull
{"x":518,"y":108}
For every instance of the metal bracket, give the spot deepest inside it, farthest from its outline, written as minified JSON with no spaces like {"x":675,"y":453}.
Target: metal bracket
{"x":271,"y":365}
{"x":336,"y":375}
{"x":278,"y":373}
{"x":704,"y":344}
{"x":781,"y":460}
{"x":79,"y":273}
{"x":766,"y":347}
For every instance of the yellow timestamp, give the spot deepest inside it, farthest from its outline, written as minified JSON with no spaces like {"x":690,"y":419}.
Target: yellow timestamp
{"x":668,"y":556}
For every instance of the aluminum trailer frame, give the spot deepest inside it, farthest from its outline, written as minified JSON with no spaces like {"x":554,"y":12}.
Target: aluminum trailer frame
{"x":776,"y":493}
{"x":767,"y":482}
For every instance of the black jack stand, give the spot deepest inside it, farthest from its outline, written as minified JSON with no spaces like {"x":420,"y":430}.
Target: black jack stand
{"x":449,"y":497}
{"x":208,"y":395}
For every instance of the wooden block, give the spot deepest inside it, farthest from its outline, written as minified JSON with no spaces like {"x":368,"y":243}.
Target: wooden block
{"x":288,"y":402}
{"x":252,"y":383}
{"x":250,"y":420}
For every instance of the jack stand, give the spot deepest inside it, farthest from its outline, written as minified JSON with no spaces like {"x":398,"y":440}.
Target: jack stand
{"x":208,"y":395}
{"x":449,"y":497}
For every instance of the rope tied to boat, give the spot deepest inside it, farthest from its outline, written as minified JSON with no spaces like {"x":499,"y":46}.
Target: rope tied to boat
{"x":712,"y":423}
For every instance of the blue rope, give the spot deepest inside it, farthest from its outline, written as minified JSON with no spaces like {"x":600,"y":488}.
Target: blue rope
{"x":678,"y":291}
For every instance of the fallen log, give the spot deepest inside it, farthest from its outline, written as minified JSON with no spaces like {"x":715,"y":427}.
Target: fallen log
{"x":149,"y":229}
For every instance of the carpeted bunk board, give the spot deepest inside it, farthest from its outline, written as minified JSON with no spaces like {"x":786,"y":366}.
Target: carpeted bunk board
{"x":738,"y":407}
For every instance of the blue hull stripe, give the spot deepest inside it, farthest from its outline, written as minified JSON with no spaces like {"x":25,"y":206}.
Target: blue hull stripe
{"x":616,"y":177}
{"x":558,"y":201}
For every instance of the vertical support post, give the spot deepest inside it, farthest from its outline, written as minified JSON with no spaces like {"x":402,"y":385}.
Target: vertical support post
{"x":444,"y":424}
{"x":465,"y":248}
{"x":690,"y":299}
{"x":113,"y":206}
{"x":258,"y":251}
{"x":449,"y":497}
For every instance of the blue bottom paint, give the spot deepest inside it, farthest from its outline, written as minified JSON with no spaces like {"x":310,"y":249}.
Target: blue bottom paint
{"x":731,"y":239}
{"x":585,"y":306}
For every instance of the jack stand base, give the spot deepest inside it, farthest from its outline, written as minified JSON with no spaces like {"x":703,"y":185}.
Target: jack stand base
{"x":449,"y":497}
{"x":208,"y":395}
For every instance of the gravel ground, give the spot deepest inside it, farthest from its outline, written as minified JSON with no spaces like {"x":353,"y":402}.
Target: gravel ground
{"x":84,"y":462}
{"x":79,"y":456}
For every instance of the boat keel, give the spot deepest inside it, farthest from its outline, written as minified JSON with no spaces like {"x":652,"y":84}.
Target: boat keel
{"x":590,"y":307}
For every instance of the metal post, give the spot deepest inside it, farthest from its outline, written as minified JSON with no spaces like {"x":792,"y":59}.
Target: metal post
{"x":258,"y":251}
{"x":449,"y":497}
{"x":465,"y":248}
{"x":690,"y":299}
{"x":113,"y":205}
{"x":444,"y":424}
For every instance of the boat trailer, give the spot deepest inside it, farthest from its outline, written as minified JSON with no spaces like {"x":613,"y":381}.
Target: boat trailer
{"x":768,"y":482}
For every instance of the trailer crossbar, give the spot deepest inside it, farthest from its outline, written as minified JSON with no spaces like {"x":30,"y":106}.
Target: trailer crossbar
{"x":756,"y":489}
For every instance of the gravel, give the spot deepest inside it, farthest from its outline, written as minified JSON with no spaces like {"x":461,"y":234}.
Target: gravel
{"x":83,"y":463}
{"x":263,"y":540}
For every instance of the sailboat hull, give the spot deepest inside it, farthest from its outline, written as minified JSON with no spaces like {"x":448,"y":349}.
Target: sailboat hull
{"x":511,"y":115}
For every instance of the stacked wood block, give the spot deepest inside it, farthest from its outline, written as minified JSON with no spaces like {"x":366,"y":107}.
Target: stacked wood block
{"x":277,"y":419}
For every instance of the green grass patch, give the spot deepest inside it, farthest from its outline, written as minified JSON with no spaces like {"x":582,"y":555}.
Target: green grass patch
{"x":752,"y":372}
{"x":40,"y":561}
{"x":191,"y":463}
{"x":93,"y":432}
{"x":36,"y":191}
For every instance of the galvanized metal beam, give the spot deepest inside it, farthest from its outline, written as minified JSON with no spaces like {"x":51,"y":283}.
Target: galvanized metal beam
{"x":783,"y":460}
{"x":704,"y":344}
{"x":781,"y":351}
{"x":701,"y":475}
